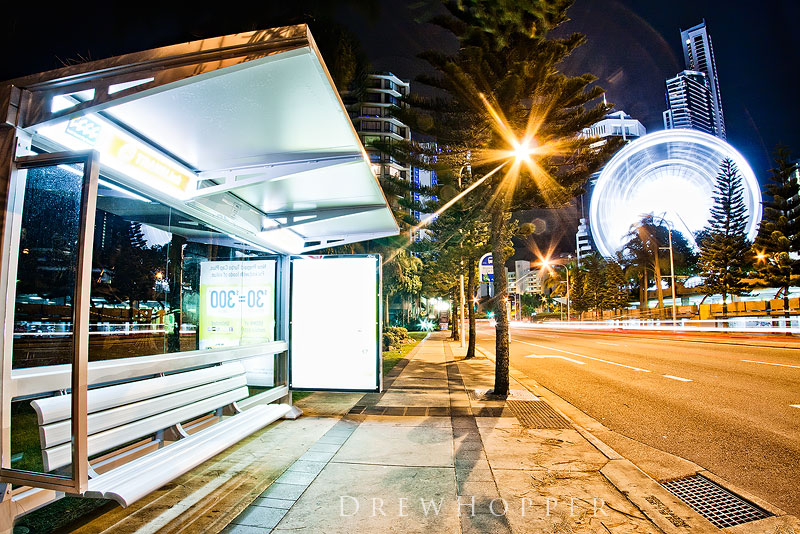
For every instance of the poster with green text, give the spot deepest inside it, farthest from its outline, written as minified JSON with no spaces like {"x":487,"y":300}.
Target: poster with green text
{"x":237,"y":303}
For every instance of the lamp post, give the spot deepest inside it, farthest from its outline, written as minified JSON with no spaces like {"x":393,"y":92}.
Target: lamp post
{"x":672,"y":277}
{"x":671,"y":270}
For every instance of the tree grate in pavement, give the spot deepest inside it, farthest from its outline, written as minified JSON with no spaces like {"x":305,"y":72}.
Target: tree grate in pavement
{"x":721,"y":507}
{"x":538,"y":414}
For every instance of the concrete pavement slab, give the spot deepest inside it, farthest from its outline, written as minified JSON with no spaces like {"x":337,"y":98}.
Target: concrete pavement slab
{"x":306,"y":466}
{"x":562,"y":450}
{"x":483,"y":523}
{"x":385,"y":499}
{"x":260,"y":516}
{"x":498,"y":422}
{"x":272,"y":502}
{"x":575,"y":502}
{"x":398,"y":445}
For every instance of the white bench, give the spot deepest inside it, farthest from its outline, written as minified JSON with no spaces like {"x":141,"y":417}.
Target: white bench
{"x":153,"y":411}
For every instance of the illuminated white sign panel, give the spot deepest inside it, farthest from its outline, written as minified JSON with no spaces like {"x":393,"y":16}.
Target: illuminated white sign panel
{"x":669,"y":174}
{"x":335,"y":323}
{"x":122,"y":152}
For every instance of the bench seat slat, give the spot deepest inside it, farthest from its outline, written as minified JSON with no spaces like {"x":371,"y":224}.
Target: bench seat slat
{"x":52,"y":409}
{"x":60,"y":432}
{"x":134,"y":480}
{"x":61,"y":455}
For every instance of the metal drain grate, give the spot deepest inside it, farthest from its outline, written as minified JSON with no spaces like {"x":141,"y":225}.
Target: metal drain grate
{"x":538,"y":414}
{"x":715,"y":503}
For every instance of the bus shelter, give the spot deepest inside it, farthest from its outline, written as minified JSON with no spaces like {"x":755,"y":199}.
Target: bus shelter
{"x":161,"y":293}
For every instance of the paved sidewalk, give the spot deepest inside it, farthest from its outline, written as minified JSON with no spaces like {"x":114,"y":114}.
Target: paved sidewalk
{"x":433,"y":454}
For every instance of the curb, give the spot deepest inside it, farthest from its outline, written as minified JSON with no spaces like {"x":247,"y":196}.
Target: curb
{"x":778,"y":514}
{"x":660,"y":506}
{"x":612,"y":454}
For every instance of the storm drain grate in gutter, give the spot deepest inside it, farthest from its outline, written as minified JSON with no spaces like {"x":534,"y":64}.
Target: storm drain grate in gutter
{"x":715,"y":503}
{"x":538,"y":414}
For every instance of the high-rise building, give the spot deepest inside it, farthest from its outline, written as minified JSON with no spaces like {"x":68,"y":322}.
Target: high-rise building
{"x":693,"y":97}
{"x":527,"y":280}
{"x":620,"y":125}
{"x":421,"y":178}
{"x":583,"y":240}
{"x":617,"y":124}
{"x":690,"y":103}
{"x":373,"y":119}
{"x":698,"y":55}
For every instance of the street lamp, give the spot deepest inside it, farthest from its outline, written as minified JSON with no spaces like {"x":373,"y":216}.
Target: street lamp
{"x":550,"y":266}
{"x":671,"y":270}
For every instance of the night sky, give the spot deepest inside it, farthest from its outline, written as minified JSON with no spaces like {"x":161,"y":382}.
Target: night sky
{"x":633,"y":46}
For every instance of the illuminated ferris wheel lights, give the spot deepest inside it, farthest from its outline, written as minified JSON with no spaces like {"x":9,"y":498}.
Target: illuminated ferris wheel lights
{"x":670,"y":172}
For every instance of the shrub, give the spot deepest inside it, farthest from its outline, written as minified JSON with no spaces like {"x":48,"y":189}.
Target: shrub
{"x":394,"y":336}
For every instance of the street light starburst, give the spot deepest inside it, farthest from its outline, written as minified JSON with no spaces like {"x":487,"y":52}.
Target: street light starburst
{"x":525,"y":151}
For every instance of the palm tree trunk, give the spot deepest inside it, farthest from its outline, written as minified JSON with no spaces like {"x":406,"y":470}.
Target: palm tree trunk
{"x":643,"y":292}
{"x":657,"y":275}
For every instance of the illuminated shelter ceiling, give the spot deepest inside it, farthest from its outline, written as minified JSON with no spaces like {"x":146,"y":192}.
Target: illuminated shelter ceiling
{"x":245,"y":132}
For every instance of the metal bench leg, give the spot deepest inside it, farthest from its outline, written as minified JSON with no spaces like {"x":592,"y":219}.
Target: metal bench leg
{"x":294,"y":412}
{"x":173,"y":433}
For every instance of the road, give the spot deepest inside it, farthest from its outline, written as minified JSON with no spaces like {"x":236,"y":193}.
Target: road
{"x":732,"y":409}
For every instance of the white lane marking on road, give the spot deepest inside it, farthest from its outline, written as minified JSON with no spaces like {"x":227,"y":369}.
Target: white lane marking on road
{"x":677,"y":378}
{"x":770,"y":363}
{"x":606,"y":343}
{"x":583,"y":356}
{"x":555,"y":356}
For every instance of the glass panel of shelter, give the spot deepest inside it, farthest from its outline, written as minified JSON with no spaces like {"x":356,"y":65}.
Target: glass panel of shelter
{"x":161,"y":282}
{"x":44,"y":314}
{"x":159,"y":275}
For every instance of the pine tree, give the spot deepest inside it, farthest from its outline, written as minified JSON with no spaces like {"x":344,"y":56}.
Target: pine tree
{"x":507,"y":62}
{"x":615,"y":290}
{"x":725,"y":250}
{"x":579,"y":299}
{"x":595,"y":267}
{"x":779,"y":233}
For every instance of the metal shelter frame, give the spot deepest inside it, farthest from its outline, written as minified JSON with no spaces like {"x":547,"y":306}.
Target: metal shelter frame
{"x":267,"y":185}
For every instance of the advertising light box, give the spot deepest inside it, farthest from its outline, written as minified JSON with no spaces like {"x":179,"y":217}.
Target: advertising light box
{"x":237,"y":303}
{"x":335,"y":323}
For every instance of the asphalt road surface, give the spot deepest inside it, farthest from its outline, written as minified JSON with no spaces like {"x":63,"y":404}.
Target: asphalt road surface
{"x":732,"y":409}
